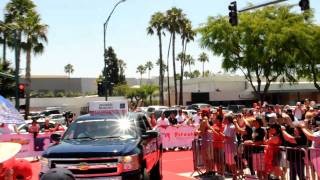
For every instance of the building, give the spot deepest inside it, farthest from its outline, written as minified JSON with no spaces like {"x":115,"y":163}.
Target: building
{"x":234,"y":89}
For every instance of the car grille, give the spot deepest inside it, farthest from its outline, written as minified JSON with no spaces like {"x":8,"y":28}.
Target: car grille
{"x":89,"y":167}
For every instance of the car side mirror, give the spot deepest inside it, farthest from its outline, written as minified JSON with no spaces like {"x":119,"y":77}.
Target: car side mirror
{"x":150,"y":134}
{"x":55,"y":137}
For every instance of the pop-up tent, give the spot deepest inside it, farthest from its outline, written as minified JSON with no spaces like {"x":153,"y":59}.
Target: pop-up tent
{"x":8,"y":113}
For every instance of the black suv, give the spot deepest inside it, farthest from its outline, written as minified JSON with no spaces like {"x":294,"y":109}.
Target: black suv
{"x":97,"y":147}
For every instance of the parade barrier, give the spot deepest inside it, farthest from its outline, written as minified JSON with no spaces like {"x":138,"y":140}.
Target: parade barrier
{"x":177,"y":136}
{"x":31,"y":147}
{"x":256,"y":162}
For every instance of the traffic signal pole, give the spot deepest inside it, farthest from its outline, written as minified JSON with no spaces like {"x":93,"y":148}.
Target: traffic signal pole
{"x":261,"y":5}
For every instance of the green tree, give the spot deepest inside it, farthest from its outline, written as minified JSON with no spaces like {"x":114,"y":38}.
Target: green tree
{"x":7,"y":84}
{"x":150,"y":89}
{"x":156,"y":25}
{"x":3,"y":39}
{"x":149,"y":67}
{"x":112,"y":70}
{"x":121,"y":90}
{"x":195,"y":74}
{"x":203,"y":58}
{"x":141,"y":69}
{"x":262,"y":46}
{"x":309,"y":59}
{"x":207,"y":73}
{"x":174,"y":20}
{"x":68,"y":69}
{"x":122,"y":66}
{"x":186,"y":74}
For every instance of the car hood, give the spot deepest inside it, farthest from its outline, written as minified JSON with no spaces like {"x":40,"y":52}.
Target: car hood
{"x":92,"y":148}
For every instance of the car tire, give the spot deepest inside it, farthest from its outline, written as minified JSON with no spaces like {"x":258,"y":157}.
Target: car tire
{"x":155,"y":173}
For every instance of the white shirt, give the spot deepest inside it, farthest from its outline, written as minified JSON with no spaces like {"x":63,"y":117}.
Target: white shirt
{"x":163,"y":122}
{"x":180,"y":119}
{"x":196,"y":119}
{"x":230,"y":131}
{"x":298,"y":113}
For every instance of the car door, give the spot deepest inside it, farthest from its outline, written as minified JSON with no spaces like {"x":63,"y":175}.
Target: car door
{"x":149,"y":144}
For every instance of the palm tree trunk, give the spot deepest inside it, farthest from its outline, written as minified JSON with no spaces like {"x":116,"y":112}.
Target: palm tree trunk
{"x":203,"y":69}
{"x":168,"y":78}
{"x":161,"y":72}
{"x":28,"y":81}
{"x":181,"y":75}
{"x":174,"y":69}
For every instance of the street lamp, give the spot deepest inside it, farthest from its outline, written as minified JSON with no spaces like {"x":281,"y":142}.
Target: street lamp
{"x":17,"y":64}
{"x":105,"y":25}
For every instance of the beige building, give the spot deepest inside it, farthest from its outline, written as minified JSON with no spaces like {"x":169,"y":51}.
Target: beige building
{"x":233,"y":89}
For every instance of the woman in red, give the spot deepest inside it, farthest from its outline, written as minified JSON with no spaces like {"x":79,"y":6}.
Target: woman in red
{"x":272,"y":151}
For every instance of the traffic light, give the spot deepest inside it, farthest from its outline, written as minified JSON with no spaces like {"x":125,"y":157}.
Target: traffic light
{"x":21,"y":90}
{"x":233,"y":14}
{"x":100,"y":89}
{"x":304,"y":5}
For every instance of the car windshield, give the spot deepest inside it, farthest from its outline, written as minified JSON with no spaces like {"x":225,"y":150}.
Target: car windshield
{"x":101,"y":128}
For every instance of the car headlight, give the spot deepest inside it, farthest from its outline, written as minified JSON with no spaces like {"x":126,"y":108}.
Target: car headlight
{"x":130,"y":163}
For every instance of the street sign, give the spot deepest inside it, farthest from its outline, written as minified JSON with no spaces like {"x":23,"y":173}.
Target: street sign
{"x":108,"y":108}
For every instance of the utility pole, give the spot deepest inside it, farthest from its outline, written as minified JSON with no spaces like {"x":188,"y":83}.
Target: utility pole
{"x":105,"y":26}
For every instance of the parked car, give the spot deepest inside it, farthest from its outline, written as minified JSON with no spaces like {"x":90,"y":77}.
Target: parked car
{"x":152,"y":109}
{"x":189,"y":112}
{"x":48,"y":112}
{"x":58,"y":118}
{"x":236,"y":108}
{"x":199,"y":106}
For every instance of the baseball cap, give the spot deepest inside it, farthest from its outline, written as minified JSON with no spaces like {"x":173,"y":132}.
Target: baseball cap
{"x":22,"y":170}
{"x":58,"y":174}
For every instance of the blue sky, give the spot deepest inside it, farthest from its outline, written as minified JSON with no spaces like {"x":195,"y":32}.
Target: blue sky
{"x":76,"y":32}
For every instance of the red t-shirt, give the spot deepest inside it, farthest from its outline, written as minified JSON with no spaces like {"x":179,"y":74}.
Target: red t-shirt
{"x":218,"y":139}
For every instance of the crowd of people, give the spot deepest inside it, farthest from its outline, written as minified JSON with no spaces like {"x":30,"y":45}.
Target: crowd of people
{"x":270,"y":140}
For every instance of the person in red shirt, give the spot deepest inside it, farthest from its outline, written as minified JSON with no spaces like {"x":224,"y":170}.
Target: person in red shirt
{"x":218,"y":152}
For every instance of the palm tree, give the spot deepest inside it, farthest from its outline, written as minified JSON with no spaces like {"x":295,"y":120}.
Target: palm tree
{"x":156,"y":24}
{"x":203,"y":58}
{"x":149,"y":67}
{"x":174,"y":20}
{"x":3,"y":40}
{"x":187,"y":35}
{"x":35,"y":35}
{"x":68,"y":69}
{"x":27,"y":22}
{"x":141,"y":69}
{"x":196,"y":74}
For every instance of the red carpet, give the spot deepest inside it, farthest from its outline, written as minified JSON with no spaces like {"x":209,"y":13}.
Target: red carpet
{"x":174,"y":163}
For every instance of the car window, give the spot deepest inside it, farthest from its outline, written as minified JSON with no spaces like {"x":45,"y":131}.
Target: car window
{"x":151,"y":109}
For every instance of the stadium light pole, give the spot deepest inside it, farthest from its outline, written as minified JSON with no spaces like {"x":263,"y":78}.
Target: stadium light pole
{"x":17,"y":65}
{"x":105,"y":25}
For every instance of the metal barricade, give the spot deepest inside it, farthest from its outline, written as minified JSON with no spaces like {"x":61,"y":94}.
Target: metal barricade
{"x":255,"y":161}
